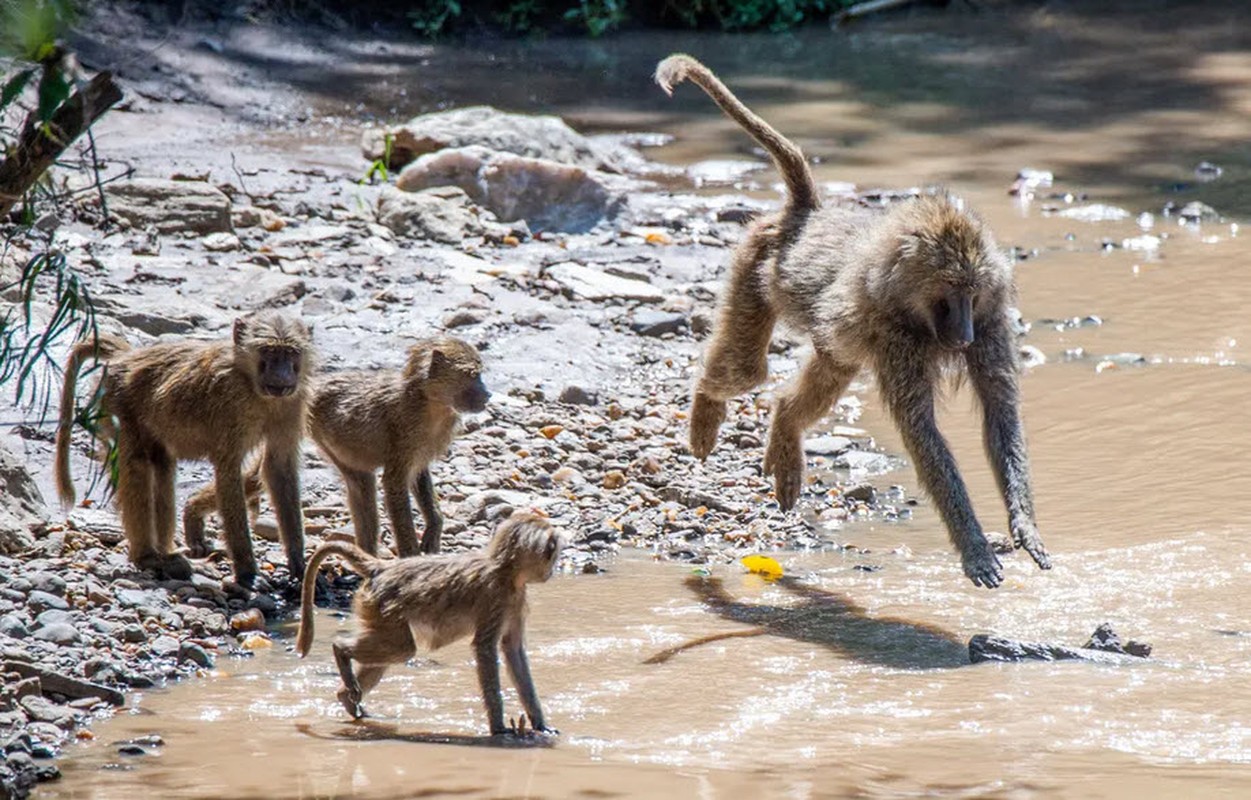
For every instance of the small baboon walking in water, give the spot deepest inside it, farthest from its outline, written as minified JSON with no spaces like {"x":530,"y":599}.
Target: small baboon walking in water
{"x":440,"y":599}
{"x":397,"y":420}
{"x":910,"y":291}
{"x":192,"y":400}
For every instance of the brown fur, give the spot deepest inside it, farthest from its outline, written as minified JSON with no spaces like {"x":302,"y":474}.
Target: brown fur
{"x":397,"y":420}
{"x":438,"y":600}
{"x":908,"y":292}
{"x":202,"y":400}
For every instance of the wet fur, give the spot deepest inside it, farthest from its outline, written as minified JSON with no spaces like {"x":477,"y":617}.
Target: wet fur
{"x":912,"y":292}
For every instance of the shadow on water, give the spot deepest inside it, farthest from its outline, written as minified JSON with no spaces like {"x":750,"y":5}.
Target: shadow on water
{"x":373,"y":731}
{"x":830,"y":620}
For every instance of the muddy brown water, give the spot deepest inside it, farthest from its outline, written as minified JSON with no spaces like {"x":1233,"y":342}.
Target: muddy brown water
{"x":1140,"y":475}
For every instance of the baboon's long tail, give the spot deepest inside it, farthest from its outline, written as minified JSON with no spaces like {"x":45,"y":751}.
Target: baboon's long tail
{"x":100,"y":348}
{"x":361,"y":563}
{"x":801,"y":188}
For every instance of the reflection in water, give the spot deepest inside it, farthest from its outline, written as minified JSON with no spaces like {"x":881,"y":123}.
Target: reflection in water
{"x":831,"y":620}
{"x":368,"y":730}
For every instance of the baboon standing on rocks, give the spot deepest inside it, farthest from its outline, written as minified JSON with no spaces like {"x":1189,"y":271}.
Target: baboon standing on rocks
{"x":397,"y":420}
{"x":439,"y":599}
{"x":192,"y":400}
{"x":910,"y":292}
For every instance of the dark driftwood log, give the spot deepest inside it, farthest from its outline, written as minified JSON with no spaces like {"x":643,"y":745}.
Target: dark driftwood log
{"x":37,"y":148}
{"x":56,"y":683}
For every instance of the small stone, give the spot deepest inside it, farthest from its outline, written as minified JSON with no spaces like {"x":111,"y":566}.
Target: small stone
{"x":40,"y":709}
{"x":47,"y":582}
{"x":614,"y":479}
{"x":12,"y":626}
{"x":462,"y":318}
{"x":567,"y":475}
{"x":250,"y":620}
{"x":551,"y":431}
{"x":165,"y":646}
{"x":648,"y":322}
{"x":39,"y":601}
{"x":196,"y":654}
{"x":827,"y":445}
{"x":220,"y":242}
{"x":577,"y":396}
{"x":133,"y":634}
{"x":1001,"y":543}
{"x":59,"y":633}
{"x":266,"y":528}
{"x":863,"y":493}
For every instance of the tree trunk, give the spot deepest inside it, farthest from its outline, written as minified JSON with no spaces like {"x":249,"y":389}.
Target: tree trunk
{"x":39,"y":146}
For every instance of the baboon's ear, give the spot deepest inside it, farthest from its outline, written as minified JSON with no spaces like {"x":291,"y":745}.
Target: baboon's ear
{"x":240,"y":330}
{"x":308,"y":329}
{"x":438,"y":361}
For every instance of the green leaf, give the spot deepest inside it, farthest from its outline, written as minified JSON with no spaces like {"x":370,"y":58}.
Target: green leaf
{"x":14,"y":86}
{"x":53,"y":91}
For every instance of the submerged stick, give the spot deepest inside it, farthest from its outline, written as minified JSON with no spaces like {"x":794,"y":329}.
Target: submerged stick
{"x":665,"y":655}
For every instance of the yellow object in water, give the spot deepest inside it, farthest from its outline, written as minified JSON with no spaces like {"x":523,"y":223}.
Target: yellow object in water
{"x":764,"y":566}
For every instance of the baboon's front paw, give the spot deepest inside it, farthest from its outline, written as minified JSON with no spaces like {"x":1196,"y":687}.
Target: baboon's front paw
{"x":982,"y":565}
{"x":1026,"y":537}
{"x":784,"y":460}
{"x":706,"y":418}
{"x":351,"y":701}
{"x":245,"y":577}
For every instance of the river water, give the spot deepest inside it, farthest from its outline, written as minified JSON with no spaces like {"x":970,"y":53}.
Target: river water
{"x":859,"y":686}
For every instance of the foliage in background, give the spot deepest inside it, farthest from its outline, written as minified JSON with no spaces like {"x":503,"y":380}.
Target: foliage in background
{"x":597,"y":17}
{"x":31,"y":49}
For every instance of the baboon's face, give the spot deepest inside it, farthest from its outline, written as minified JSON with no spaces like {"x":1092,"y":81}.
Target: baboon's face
{"x":528,"y":541}
{"x":274,"y":350}
{"x":456,"y":375}
{"x":278,"y":370}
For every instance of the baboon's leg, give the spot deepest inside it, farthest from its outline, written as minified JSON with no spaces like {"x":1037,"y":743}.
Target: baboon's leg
{"x":736,"y":358}
{"x":373,"y":649}
{"x":514,"y":645}
{"x":280,"y":468}
{"x":486,"y":645}
{"x":232,"y":506}
{"x":173,"y":565}
{"x":362,"y":498}
{"x":203,"y":502}
{"x":804,"y":401}
{"x":134,"y":499}
{"x":428,"y":502}
{"x":906,"y":374}
{"x":994,"y":369}
{"x":399,"y":509}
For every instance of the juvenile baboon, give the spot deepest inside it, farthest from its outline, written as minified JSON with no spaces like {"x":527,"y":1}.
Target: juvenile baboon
{"x":910,"y":292}
{"x":440,"y":599}
{"x":192,"y":400}
{"x":397,"y":420}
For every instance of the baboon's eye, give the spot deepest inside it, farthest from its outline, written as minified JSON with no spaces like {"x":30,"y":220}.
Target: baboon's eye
{"x":550,"y":549}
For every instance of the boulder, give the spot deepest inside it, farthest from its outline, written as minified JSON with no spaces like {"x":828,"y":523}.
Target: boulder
{"x":548,"y":195}
{"x":170,"y":206}
{"x":445,"y":214}
{"x":22,"y":508}
{"x":521,"y":134}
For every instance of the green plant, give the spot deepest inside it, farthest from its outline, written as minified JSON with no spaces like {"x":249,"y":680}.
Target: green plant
{"x":521,"y":16}
{"x":378,"y":168}
{"x":597,"y":16}
{"x":434,"y":16}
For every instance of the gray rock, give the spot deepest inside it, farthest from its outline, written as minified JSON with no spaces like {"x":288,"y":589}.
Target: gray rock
{"x":524,"y":135}
{"x":827,"y":445}
{"x":22,"y":509}
{"x":11,"y":625}
{"x":444,"y":214}
{"x":591,"y":284}
{"x":864,"y":493}
{"x":58,"y":633}
{"x":40,"y":601}
{"x":577,"y":396}
{"x":170,"y":206}
{"x":196,"y":654}
{"x":548,"y":195}
{"x":40,"y":709}
{"x":462,"y":318}
{"x":649,"y":322}
{"x":47,"y":582}
{"x":165,"y":646}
